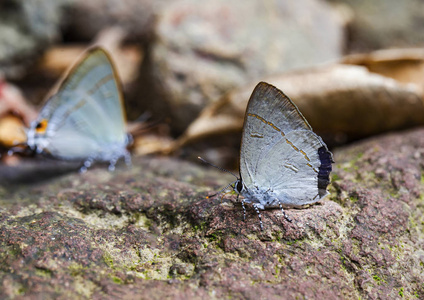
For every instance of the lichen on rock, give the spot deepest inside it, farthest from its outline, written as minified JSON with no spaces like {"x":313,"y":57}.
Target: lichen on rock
{"x":151,"y":231}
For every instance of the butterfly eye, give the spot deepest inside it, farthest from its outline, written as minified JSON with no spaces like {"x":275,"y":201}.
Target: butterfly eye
{"x":239,"y":186}
{"x":41,"y":126}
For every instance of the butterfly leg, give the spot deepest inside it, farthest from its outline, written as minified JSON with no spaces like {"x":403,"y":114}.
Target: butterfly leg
{"x":114,"y":160}
{"x":116,"y":157}
{"x":112,"y":164}
{"x":127,"y":158}
{"x":244,"y":208}
{"x":284,"y":213}
{"x":259,"y":215}
{"x":87,"y":163}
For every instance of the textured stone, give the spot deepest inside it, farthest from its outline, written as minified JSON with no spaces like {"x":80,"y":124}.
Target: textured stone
{"x":151,"y":232}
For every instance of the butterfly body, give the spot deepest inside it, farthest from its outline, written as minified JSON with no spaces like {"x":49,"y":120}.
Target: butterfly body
{"x":84,"y":120}
{"x":262,"y":198}
{"x":282,"y":161}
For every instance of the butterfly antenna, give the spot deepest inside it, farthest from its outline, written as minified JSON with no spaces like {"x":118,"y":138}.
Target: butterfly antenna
{"x":211,"y":196}
{"x":219,"y":168}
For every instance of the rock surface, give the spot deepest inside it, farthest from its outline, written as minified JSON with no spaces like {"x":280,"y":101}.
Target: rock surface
{"x":150,"y":232}
{"x":203,"y":50}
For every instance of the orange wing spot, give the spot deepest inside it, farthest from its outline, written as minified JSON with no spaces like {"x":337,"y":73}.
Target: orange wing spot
{"x":41,"y":126}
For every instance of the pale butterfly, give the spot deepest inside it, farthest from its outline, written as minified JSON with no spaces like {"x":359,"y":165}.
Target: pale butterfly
{"x":85,"y":119}
{"x":282,"y":161}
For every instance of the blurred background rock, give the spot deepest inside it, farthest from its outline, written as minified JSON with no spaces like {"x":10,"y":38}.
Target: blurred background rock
{"x":178,"y":57}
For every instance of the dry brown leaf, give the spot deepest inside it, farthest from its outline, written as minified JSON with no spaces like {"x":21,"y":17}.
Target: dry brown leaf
{"x":152,"y":144}
{"x":337,"y":100}
{"x":127,"y":59}
{"x":403,"y":65}
{"x":12,"y":101}
{"x":58,"y":59}
{"x":12,"y":131}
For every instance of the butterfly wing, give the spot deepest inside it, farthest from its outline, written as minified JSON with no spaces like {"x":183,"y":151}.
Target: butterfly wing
{"x":86,"y":114}
{"x":279,"y":151}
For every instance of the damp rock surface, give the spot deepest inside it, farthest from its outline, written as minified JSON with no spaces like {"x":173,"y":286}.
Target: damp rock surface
{"x":150,"y":232}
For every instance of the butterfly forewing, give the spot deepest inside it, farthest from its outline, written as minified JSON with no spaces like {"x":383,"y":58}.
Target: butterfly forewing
{"x":279,"y":152}
{"x":87,"y":112}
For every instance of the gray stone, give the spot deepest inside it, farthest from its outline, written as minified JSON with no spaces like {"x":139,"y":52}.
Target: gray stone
{"x":204,"y":49}
{"x":150,"y":232}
